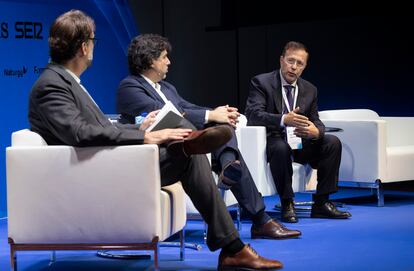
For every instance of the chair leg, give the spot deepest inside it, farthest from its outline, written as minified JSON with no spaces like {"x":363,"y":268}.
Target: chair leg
{"x":13,"y":259}
{"x":182,"y":244}
{"x":380,"y":194}
{"x":239,"y":224}
{"x":52,"y":257}
{"x":205,"y":232}
{"x":156,"y":253}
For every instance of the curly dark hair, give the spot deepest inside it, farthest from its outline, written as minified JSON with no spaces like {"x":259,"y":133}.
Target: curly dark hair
{"x":143,"y":50}
{"x":67,"y":34}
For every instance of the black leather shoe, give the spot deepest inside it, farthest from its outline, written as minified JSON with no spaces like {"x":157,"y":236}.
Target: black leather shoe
{"x":273,"y":230}
{"x":201,"y":141}
{"x":246,"y":259}
{"x":288,"y":213}
{"x":328,"y":210}
{"x":230,"y":175}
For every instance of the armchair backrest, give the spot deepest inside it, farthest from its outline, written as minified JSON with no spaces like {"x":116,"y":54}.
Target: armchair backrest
{"x":349,"y":114}
{"x":63,"y":194}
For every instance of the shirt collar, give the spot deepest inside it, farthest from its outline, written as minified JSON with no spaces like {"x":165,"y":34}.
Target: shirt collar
{"x":283,"y":81}
{"x":77,"y":79}
{"x":154,"y":85}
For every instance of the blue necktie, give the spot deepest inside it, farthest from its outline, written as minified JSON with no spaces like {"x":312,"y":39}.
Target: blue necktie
{"x":289,"y":97}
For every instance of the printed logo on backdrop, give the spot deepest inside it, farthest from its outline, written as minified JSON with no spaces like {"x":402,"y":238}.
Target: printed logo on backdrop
{"x":20,"y":72}
{"x":21,"y":30}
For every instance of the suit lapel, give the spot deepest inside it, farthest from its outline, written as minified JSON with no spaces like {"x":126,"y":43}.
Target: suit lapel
{"x":149,"y":89}
{"x":301,"y":93}
{"x":277,"y":96}
{"x":81,"y":95}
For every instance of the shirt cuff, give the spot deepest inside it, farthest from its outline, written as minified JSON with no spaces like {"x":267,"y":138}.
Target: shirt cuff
{"x":206,"y":116}
{"x":282,"y":121}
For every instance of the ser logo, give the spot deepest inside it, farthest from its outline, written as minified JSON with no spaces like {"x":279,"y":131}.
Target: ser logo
{"x":23,"y":30}
{"x":15,"y":72}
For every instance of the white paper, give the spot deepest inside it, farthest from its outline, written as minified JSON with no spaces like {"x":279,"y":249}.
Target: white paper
{"x":294,"y":141}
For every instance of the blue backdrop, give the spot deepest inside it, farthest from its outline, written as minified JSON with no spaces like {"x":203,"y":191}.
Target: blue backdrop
{"x":24,"y":29}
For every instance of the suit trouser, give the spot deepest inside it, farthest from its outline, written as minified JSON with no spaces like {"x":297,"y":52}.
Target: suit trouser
{"x":194,"y":172}
{"x":245,"y":190}
{"x":323,"y":154}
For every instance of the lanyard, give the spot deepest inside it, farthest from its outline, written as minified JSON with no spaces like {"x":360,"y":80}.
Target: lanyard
{"x":285,"y":98}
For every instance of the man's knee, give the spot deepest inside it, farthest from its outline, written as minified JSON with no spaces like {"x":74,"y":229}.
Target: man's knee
{"x":333,"y":143}
{"x":279,"y":151}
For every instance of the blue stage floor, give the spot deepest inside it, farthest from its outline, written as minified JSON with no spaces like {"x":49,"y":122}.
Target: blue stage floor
{"x":375,"y":238}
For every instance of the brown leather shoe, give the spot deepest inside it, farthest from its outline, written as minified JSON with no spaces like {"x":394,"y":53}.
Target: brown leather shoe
{"x":273,"y":230}
{"x":201,"y":141}
{"x":246,"y":259}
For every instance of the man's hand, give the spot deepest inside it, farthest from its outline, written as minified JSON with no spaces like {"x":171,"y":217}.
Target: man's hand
{"x":149,"y":119}
{"x":309,"y":132}
{"x":162,"y":136}
{"x":294,"y":119}
{"x":224,"y":114}
{"x":304,"y":127}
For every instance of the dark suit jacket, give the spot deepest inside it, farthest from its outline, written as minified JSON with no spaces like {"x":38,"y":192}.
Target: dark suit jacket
{"x":264,"y":103}
{"x":64,"y":114}
{"x":136,"y":96}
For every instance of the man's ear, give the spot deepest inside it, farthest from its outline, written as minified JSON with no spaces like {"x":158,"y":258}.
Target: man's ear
{"x":84,"y":49}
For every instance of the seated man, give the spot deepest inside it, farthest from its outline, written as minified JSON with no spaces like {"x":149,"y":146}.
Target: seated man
{"x":145,"y":90}
{"x":287,"y":105}
{"x":62,"y":112}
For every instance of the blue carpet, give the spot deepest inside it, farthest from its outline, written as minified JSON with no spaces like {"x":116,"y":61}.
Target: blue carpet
{"x":375,"y":238}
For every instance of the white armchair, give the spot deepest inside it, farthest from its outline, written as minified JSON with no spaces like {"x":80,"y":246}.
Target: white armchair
{"x":252,"y":144}
{"x":93,"y":198}
{"x":375,"y":149}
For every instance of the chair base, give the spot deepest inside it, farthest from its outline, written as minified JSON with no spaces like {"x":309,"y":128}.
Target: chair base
{"x":376,"y":189}
{"x":126,"y":256}
{"x":153,"y":245}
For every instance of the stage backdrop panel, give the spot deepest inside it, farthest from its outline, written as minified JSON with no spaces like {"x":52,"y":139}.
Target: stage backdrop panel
{"x":24,"y":30}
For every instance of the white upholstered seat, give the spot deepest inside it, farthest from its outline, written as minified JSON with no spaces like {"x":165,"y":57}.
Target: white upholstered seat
{"x":63,"y":197}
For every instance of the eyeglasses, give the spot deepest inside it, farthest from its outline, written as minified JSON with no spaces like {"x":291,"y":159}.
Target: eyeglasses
{"x":94,"y":40}
{"x":292,"y":61}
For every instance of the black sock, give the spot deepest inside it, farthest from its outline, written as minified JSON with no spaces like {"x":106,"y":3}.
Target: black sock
{"x":286,"y":202}
{"x":235,"y":246}
{"x":228,"y":155}
{"x":261,"y":218}
{"x":320,"y":199}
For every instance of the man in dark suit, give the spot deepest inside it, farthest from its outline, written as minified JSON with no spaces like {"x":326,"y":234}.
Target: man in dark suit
{"x":62,"y":111}
{"x":287,"y":105}
{"x":145,"y":90}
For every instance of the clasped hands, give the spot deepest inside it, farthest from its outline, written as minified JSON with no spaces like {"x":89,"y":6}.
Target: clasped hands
{"x":224,"y":114}
{"x":304,"y":127}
